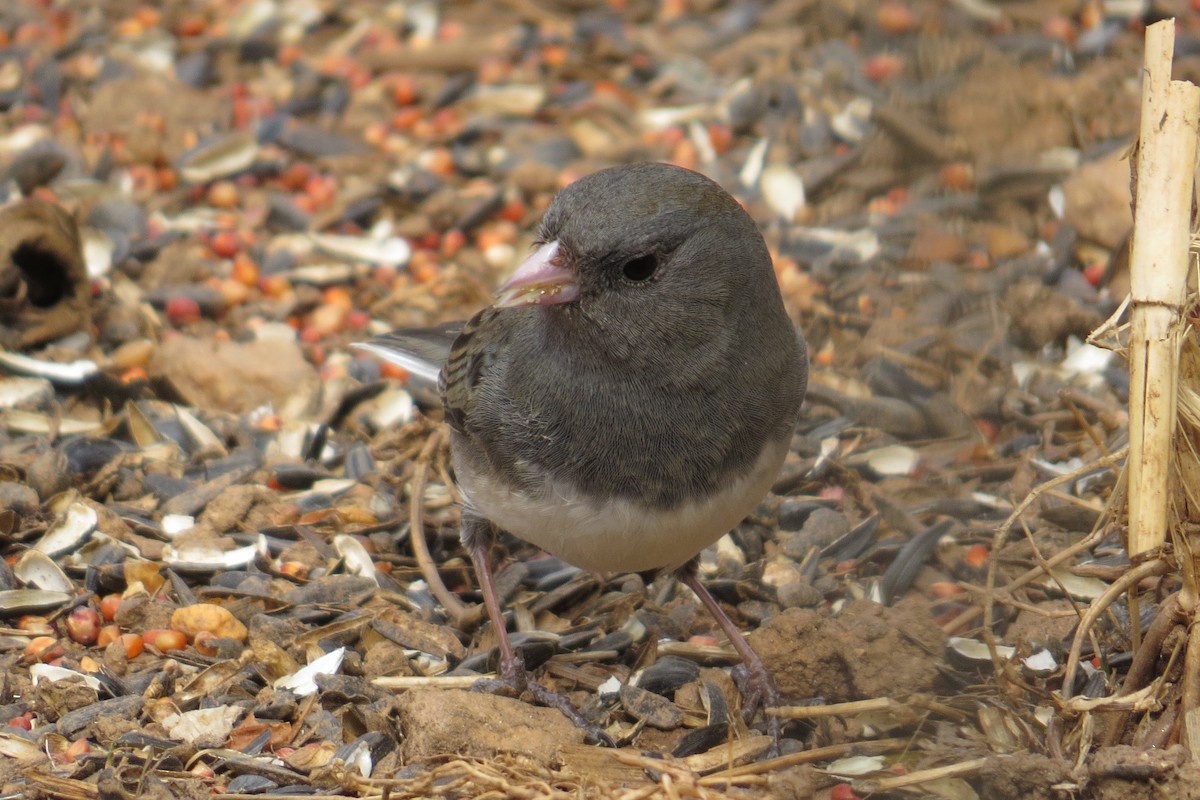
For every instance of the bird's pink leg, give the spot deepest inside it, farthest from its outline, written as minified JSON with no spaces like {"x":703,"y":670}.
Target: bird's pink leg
{"x":477,"y":537}
{"x":760,"y":689}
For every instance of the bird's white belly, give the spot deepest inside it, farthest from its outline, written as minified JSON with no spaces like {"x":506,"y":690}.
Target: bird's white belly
{"x":617,"y":535}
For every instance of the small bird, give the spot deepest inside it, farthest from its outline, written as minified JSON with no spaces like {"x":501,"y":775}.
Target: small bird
{"x":630,"y":395}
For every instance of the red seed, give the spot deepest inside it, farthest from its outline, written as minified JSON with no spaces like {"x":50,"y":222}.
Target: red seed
{"x":404,"y":90}
{"x":393,"y":371}
{"x":182,"y":310}
{"x":842,"y":792}
{"x":164,"y":639}
{"x":977,"y":556}
{"x":245,"y":270}
{"x":132,"y":643}
{"x":1060,"y":28}
{"x":296,"y":176}
{"x":225,"y":244}
{"x":36,"y":625}
{"x":223,"y":194}
{"x":191,"y":25}
{"x":43,"y":648}
{"x":895,"y":17}
{"x":883,"y":67}
{"x":204,"y":643}
{"x":83,"y":625}
{"x":406,"y":118}
{"x":274,"y":285}
{"x":453,"y":241}
{"x":108,"y":634}
{"x":958,"y":176}
{"x":166,"y":179}
{"x":77,"y":750}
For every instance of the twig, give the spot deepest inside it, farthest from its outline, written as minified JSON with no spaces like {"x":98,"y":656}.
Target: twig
{"x":921,"y":776}
{"x":841,"y":709}
{"x":420,"y":681}
{"x":416,"y":510}
{"x":989,"y":600}
{"x":1135,"y":576}
{"x":1142,"y":700}
{"x":805,"y":757}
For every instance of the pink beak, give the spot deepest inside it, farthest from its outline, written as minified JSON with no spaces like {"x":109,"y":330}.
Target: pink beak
{"x":540,"y":280}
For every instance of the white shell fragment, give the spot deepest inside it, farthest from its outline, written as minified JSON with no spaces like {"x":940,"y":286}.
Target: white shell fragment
{"x":220,"y":158}
{"x":29,"y":422}
{"x":610,"y":689}
{"x":783,"y":189}
{"x":752,"y":168}
{"x":854,"y":121}
{"x":975,"y":650}
{"x":853,"y":766}
{"x":1042,"y":662}
{"x":657,"y":119}
{"x":22,"y":138}
{"x":20,"y":748}
{"x":37,"y":570}
{"x":175,"y":524}
{"x":98,"y":250}
{"x":52,"y":674}
{"x":204,"y":726}
{"x":853,"y":246}
{"x":513,"y":100}
{"x":72,"y":373}
{"x":395,"y":406}
{"x":302,"y":682}
{"x":354,"y":556}
{"x":205,"y":556}
{"x":1087,"y":363}
{"x":70,"y":530}
{"x":1079,"y":587}
{"x":25,"y":392}
{"x":389,"y":251}
{"x":14,"y":600}
{"x":895,"y":460}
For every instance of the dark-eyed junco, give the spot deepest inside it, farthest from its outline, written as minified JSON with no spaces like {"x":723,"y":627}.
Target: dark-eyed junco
{"x":630,"y":395}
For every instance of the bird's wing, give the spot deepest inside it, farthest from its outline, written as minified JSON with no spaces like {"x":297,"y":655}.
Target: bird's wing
{"x":421,"y":351}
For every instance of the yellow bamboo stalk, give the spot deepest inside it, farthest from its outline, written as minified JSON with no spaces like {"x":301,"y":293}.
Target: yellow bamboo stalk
{"x":1166,"y":159}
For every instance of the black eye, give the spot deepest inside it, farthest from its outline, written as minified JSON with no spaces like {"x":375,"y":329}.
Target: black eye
{"x":640,"y":268}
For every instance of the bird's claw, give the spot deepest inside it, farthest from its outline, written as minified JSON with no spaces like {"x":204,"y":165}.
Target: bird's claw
{"x":759,"y":693}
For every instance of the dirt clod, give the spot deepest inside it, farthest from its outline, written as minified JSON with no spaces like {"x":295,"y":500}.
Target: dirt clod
{"x":868,"y":650}
{"x":440,"y":721}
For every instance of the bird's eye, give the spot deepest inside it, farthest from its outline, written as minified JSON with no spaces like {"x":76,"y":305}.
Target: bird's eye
{"x":640,"y":268}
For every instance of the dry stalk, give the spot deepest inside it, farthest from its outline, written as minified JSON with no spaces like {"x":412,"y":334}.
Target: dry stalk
{"x":878,"y":746}
{"x":922,"y":776}
{"x":1164,"y":184}
{"x":1162,"y":469}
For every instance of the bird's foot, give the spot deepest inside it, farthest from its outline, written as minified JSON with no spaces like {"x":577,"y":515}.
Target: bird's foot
{"x":759,"y":693}
{"x":514,"y":681}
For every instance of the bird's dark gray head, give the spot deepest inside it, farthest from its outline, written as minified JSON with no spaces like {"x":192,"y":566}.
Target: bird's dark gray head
{"x":662,"y":258}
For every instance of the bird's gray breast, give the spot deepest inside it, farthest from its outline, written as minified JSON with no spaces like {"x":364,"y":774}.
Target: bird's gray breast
{"x":544,"y":421}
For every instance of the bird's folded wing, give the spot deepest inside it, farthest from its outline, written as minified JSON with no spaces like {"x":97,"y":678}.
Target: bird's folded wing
{"x":421,"y":351}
